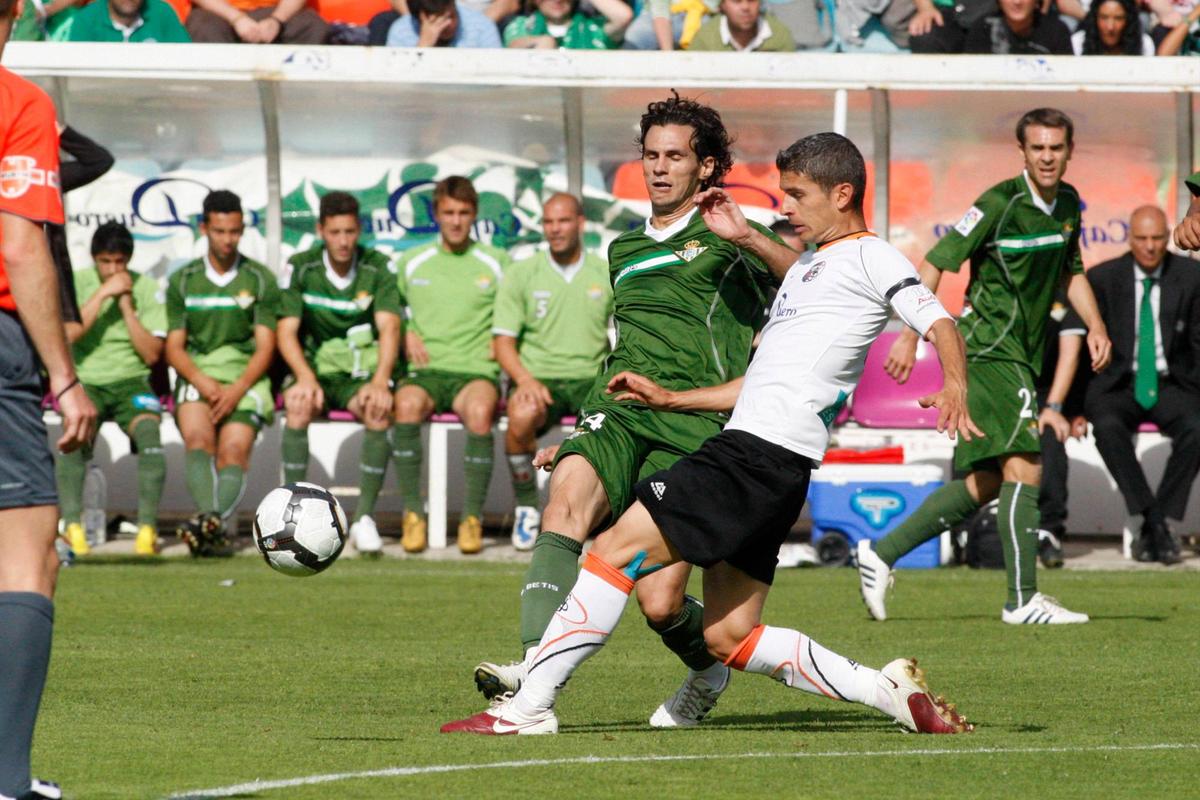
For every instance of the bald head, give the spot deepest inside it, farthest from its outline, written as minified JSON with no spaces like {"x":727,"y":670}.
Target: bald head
{"x":1148,"y":233}
{"x":562,"y":225}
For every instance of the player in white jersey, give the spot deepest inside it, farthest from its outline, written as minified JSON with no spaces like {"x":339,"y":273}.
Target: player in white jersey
{"x":728,"y":506}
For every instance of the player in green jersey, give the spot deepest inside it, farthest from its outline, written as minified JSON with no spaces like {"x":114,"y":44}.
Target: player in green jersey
{"x":119,"y":336}
{"x":1022,"y":240}
{"x":1187,"y":232}
{"x":339,"y":331}
{"x":449,"y":288}
{"x":551,"y":336}
{"x":686,"y":305}
{"x":220,"y":341}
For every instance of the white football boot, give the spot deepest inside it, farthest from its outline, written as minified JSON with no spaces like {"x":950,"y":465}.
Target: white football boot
{"x":526,"y":526}
{"x":689,"y":706}
{"x":365,"y":536}
{"x":502,"y":719}
{"x":496,"y":680}
{"x":902,"y":694}
{"x":1042,"y":609}
{"x":874,"y":579}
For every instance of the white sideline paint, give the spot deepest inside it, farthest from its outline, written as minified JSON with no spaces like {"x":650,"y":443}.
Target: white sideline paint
{"x":399,"y":772}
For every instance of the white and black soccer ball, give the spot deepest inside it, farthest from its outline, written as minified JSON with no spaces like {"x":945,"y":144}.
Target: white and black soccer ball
{"x":300,"y":529}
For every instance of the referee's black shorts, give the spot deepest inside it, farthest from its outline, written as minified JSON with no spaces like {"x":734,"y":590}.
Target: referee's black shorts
{"x":734,"y":500}
{"x":26,"y":466}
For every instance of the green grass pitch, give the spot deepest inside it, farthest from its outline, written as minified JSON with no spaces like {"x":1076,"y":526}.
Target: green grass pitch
{"x":165,"y":681}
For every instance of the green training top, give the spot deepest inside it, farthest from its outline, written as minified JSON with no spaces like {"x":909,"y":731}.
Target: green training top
{"x":1019,"y":255}
{"x":562,"y":325}
{"x":337,"y":315}
{"x":219,"y":313}
{"x":686,"y":305}
{"x":105,"y":354}
{"x":1193,"y":184}
{"x":449,"y":298}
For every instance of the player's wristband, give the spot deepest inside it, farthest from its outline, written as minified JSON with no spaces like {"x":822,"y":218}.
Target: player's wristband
{"x":1055,"y":407}
{"x":58,"y":397}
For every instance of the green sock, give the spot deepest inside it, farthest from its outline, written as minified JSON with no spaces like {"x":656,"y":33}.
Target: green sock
{"x":942,"y":510}
{"x":151,"y":469}
{"x":406,"y":450}
{"x":231,"y":483}
{"x":685,"y":636}
{"x":372,"y":469}
{"x":1017,"y":519}
{"x":477,"y":468}
{"x":551,"y":574}
{"x":295,"y":455}
{"x":201,"y":480}
{"x":520,"y":466}
{"x":70,"y":469}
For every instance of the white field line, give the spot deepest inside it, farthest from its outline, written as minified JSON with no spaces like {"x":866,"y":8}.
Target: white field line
{"x":399,"y":772}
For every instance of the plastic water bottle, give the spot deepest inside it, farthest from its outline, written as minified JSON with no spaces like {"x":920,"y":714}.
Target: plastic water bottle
{"x":95,"y":500}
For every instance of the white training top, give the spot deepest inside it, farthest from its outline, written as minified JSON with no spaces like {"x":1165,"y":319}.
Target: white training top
{"x":832,"y":305}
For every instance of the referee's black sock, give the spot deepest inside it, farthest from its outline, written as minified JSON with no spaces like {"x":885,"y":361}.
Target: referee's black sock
{"x":685,"y":636}
{"x":26,"y":623}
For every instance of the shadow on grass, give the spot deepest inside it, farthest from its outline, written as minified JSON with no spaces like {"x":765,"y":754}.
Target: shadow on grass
{"x":119,"y":561}
{"x":358,"y":738}
{"x":861,"y":721}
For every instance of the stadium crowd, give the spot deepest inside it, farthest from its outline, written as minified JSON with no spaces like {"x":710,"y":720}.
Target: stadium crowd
{"x":1041,"y":27}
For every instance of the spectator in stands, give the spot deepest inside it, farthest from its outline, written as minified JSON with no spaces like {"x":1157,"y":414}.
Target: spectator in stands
{"x":127,"y":21}
{"x":339,"y":331}
{"x":47,"y":20}
{"x":1179,"y":39}
{"x":498,"y":11}
{"x":859,"y":20}
{"x":1150,"y":301}
{"x":560,"y":23}
{"x":743,"y":26}
{"x":255,"y":22}
{"x":551,"y":335}
{"x":1020,"y":28}
{"x":449,"y":288}
{"x":666,"y":25}
{"x":118,"y":339}
{"x":940,"y":26}
{"x":381,"y":23}
{"x":443,"y":23}
{"x":1112,"y":28}
{"x":220,"y":341}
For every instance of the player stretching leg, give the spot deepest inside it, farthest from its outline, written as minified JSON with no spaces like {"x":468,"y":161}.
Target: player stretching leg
{"x":686,"y":302}
{"x":729,"y":506}
{"x":31,"y":327}
{"x":1022,"y":239}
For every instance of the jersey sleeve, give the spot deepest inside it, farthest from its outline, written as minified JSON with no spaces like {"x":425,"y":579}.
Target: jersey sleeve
{"x":507,"y":316}
{"x":290,"y":300}
{"x":266,"y":310}
{"x":387,"y":293}
{"x":176,"y":318}
{"x":151,"y":310}
{"x":966,"y":236}
{"x":29,"y":169}
{"x":895,"y":280}
{"x":1072,"y":324}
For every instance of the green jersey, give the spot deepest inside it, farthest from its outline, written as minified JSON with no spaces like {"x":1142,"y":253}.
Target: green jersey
{"x":1193,"y":184}
{"x":337,"y":315}
{"x":220,"y":312}
{"x":1020,"y":250}
{"x":686,"y":305}
{"x":105,"y":354}
{"x":450,"y":298}
{"x":559,"y":315}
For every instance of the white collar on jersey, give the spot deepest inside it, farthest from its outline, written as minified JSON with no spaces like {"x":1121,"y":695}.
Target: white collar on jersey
{"x":1047,"y":208}
{"x":218,"y":278}
{"x":669,"y":231}
{"x":342,"y":284}
{"x":568,"y":272}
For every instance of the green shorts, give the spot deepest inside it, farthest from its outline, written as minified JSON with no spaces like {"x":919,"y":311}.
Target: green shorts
{"x":256,"y":408}
{"x":1002,"y":399}
{"x":567,"y":396}
{"x":124,"y":400}
{"x":338,"y":389}
{"x":625,"y":442}
{"x":443,"y":387}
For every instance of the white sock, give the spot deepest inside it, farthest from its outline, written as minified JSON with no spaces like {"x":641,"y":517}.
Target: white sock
{"x":790,"y":657}
{"x":579,"y":629}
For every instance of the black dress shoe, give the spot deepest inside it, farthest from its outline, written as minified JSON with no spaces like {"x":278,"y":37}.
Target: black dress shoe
{"x":1142,"y":547}
{"x":1166,"y":546}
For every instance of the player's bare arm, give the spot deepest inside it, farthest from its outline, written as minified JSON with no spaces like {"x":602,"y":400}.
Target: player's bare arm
{"x":903,"y":353}
{"x":148,"y":346}
{"x":1187,"y":232}
{"x":1079,"y":292}
{"x":951,"y":401}
{"x":1064,"y":374}
{"x":117,"y":285}
{"x":528,"y":388}
{"x":725,"y":218}
{"x":307,"y":390}
{"x":260,"y":362}
{"x":631,"y":387}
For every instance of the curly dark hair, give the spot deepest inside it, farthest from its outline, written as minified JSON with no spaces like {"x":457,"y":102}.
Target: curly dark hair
{"x":709,"y":137}
{"x":1131,"y":37}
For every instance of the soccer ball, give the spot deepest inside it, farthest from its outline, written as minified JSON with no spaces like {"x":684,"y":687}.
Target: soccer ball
{"x":300,"y":529}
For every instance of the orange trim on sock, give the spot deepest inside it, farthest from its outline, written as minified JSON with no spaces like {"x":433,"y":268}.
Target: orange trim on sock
{"x":740,"y":657}
{"x":607,"y":573}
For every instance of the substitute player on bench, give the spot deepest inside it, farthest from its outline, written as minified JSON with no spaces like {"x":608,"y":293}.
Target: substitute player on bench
{"x":1022,"y":239}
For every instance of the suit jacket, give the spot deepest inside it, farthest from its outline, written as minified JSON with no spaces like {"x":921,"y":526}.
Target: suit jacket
{"x":1178,"y":318}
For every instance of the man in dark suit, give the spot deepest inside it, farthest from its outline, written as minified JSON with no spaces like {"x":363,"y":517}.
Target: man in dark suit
{"x":1150,"y":301}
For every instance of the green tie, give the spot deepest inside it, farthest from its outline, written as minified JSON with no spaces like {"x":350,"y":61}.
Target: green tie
{"x":1145,"y":380}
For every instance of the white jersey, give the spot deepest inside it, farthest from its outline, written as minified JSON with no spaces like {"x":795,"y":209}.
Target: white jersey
{"x":833,"y":304}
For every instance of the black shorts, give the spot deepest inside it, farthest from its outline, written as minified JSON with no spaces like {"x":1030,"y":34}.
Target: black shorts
{"x":26,"y":466}
{"x":734,"y":500}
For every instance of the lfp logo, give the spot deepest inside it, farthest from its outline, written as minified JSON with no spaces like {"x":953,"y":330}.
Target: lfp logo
{"x":877,"y":506}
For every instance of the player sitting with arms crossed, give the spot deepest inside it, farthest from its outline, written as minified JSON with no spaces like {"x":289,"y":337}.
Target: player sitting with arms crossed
{"x":221,"y":320}
{"x":551,"y":336}
{"x":339,"y":331}
{"x":1022,"y":239}
{"x":729,"y":506}
{"x":119,"y":337}
{"x":686,"y":305}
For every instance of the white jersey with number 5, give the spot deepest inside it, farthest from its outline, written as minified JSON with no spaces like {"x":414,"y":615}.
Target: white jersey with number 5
{"x":832,"y":305}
